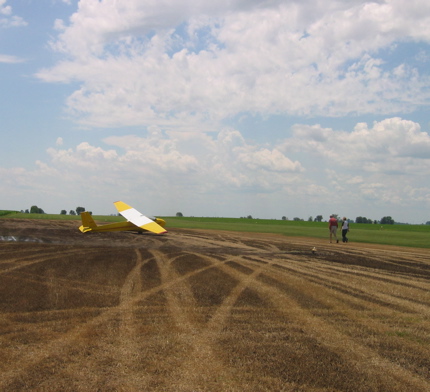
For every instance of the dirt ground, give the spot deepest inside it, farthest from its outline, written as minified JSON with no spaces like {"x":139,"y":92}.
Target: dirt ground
{"x":208,"y":311}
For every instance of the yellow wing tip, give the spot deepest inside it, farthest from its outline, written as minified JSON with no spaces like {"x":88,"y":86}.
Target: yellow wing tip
{"x":154,"y":227}
{"x":121,"y":206}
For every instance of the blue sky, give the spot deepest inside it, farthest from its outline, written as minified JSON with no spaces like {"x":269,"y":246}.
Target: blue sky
{"x":227,"y":108}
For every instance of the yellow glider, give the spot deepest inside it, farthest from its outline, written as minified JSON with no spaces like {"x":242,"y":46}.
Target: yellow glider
{"x":135,"y":221}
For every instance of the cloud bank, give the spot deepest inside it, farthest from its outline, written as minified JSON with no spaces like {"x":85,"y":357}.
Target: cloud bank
{"x":371,"y":171}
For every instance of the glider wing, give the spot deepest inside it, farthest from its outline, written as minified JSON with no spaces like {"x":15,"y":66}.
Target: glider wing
{"x":135,"y":217}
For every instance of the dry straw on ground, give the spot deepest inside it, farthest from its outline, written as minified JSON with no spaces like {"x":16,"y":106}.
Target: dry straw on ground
{"x":208,"y":311}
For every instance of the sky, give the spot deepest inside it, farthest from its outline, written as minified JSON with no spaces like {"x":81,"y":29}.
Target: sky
{"x":268,"y":108}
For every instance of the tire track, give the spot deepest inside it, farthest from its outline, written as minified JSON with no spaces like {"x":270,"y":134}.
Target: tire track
{"x":209,"y":369}
{"x":381,"y":292}
{"x":128,"y":348}
{"x":66,"y":284}
{"x":32,"y":260}
{"x":366,"y":359}
{"x":200,"y":365}
{"x":351,"y":350}
{"x":179,"y":296}
{"x":68,"y":340}
{"x":363,"y":357}
{"x":354,"y":305}
{"x":370,"y":306}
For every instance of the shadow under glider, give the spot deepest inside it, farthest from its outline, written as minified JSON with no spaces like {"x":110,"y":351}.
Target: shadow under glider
{"x":135,"y":221}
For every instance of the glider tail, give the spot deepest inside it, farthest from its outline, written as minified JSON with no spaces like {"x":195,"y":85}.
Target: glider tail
{"x":87,"y":222}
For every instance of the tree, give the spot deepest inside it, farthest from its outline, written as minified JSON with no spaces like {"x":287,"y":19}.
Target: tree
{"x":387,"y":220}
{"x":362,"y":219}
{"x":63,"y":212}
{"x":284,"y":218}
{"x":36,"y":210}
{"x":72,"y":212}
{"x":318,"y":218}
{"x":310,"y":219}
{"x":79,"y":210}
{"x":249,"y":216}
{"x":179,"y":214}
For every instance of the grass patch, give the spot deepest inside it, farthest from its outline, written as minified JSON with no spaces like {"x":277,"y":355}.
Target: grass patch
{"x":400,"y":235}
{"x":7,"y":212}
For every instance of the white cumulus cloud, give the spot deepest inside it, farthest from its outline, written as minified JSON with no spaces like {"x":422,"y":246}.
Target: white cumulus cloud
{"x":7,"y":19}
{"x":188,"y":63}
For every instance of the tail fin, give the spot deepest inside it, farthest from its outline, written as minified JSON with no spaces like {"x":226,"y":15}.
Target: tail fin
{"x":87,"y":222}
{"x":160,"y":222}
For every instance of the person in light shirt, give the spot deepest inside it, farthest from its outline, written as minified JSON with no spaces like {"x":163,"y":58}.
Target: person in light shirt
{"x":345,"y":229}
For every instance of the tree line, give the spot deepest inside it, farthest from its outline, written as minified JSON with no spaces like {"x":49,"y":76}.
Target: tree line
{"x":386,"y":220}
{"x":36,"y":210}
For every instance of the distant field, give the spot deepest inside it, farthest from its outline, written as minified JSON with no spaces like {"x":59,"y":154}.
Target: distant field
{"x":400,"y":235}
{"x":7,"y":212}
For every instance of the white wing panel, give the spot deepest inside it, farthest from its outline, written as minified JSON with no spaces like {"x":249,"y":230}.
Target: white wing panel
{"x":135,"y":217}
{"x":138,"y":219}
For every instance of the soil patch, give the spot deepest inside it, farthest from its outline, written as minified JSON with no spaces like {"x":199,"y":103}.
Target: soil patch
{"x":196,"y":310}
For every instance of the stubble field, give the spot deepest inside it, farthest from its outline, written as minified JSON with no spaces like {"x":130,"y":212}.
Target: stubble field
{"x":208,"y":311}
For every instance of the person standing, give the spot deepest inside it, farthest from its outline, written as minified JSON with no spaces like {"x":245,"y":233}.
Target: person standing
{"x":345,"y":229}
{"x":332,"y":226}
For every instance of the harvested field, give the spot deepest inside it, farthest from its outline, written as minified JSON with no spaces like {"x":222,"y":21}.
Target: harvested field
{"x":208,"y":311}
